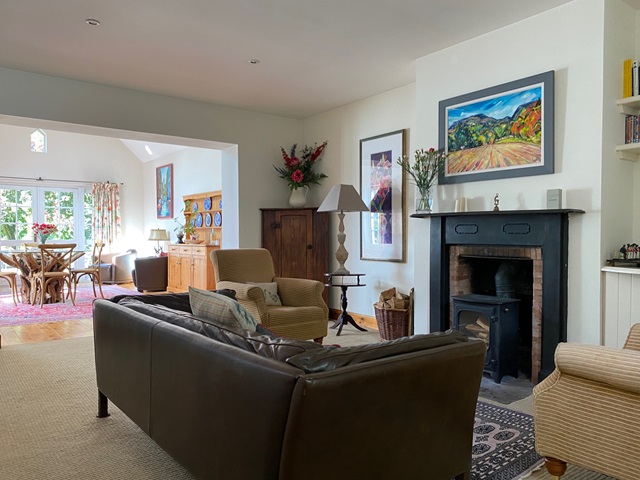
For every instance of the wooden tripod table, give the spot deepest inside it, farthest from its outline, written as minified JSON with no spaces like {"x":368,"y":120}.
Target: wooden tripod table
{"x":344,"y":281}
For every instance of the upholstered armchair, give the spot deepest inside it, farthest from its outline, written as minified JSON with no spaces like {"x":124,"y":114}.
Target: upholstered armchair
{"x":116,"y":267}
{"x":150,"y":273}
{"x":587,"y":412}
{"x":303,"y":313}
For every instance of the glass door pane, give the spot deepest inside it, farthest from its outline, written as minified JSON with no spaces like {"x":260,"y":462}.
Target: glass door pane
{"x":16,"y":216}
{"x":59,"y":209}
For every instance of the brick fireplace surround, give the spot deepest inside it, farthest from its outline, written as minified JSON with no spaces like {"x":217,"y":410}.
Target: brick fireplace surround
{"x":539,"y":235}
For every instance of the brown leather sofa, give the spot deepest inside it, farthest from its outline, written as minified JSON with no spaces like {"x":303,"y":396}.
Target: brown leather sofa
{"x":151,"y":273}
{"x":238,"y":405}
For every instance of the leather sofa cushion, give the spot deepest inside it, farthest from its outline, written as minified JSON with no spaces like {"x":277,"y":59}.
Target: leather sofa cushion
{"x":331,"y":358}
{"x":264,"y":345}
{"x":175,"y":301}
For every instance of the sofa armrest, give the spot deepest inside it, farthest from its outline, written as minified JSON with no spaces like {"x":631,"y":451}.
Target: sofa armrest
{"x":633,"y":339}
{"x":300,"y":292}
{"x":151,"y":273}
{"x":609,"y":366}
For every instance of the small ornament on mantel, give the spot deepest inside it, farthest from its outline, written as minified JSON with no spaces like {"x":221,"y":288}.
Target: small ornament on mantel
{"x":496,"y":203}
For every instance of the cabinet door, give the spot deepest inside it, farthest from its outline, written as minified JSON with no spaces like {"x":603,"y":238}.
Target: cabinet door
{"x":295,"y":243}
{"x":186,"y":268}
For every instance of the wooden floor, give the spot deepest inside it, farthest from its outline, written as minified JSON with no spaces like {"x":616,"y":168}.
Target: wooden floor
{"x":44,"y":332}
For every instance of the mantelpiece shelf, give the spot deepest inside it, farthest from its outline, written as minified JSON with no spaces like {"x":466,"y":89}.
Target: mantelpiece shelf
{"x":629,"y":106}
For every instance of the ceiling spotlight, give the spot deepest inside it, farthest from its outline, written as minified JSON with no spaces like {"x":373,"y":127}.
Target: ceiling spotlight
{"x":93,"y":22}
{"x":254,"y":61}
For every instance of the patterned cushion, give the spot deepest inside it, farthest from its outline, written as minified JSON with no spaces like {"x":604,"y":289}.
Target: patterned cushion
{"x":206,"y":304}
{"x":270,"y":291}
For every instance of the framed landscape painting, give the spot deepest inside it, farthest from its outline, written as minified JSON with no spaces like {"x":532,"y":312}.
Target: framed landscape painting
{"x":382,"y":184}
{"x":499,"y":132}
{"x":164,"y":191}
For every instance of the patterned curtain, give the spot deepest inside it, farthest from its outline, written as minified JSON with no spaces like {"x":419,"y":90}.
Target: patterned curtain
{"x":106,"y":212}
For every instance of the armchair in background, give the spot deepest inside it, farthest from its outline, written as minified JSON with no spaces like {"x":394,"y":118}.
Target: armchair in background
{"x":151,"y":273}
{"x":116,"y":267}
{"x":587,"y":412}
{"x":302,"y":313}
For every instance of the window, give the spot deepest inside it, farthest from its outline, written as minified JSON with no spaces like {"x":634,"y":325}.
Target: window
{"x":70,"y":209}
{"x":39,"y":141}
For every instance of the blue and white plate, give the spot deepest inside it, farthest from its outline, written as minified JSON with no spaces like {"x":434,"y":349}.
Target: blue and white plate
{"x":217,"y":219}
{"x":194,"y":207}
{"x":207,"y":220}
{"x":207,"y":203}
{"x":199,"y":220}
{"x":220,"y":204}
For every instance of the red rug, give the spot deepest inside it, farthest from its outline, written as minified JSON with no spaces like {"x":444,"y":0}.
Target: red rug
{"x":25,"y":314}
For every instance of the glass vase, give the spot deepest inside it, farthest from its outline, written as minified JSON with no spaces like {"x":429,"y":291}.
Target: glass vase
{"x":42,"y":237}
{"x":424,"y":201}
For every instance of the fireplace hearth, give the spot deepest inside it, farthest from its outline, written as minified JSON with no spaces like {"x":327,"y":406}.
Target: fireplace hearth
{"x":539,"y":237}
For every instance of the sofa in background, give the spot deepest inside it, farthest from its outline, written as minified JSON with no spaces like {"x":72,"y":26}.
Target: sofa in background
{"x":241,"y":405}
{"x":151,"y":273}
{"x":587,"y":412}
{"x":116,"y":267}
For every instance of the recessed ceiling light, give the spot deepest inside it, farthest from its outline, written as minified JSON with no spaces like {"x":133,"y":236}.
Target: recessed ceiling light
{"x":254,"y":61}
{"x":93,"y":22}
{"x":146,"y":147}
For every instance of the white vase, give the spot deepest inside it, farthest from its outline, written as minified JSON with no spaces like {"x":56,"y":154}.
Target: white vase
{"x":298,"y":197}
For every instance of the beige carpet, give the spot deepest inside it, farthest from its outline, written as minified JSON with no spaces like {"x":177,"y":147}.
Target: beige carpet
{"x":48,"y":428}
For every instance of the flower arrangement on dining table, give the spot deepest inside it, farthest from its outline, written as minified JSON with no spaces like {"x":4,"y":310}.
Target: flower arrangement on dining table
{"x":298,"y":170}
{"x":42,"y":231}
{"x":428,"y":165}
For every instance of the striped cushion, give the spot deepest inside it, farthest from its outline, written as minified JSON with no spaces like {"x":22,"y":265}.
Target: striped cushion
{"x":210,"y":305}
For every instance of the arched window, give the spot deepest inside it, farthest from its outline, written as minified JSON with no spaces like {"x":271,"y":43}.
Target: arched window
{"x":39,"y":141}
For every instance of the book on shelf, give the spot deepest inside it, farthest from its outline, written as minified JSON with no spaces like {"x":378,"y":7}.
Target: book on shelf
{"x":627,"y":66}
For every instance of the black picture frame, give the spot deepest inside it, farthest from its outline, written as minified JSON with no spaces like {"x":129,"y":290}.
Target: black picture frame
{"x":503,"y":131}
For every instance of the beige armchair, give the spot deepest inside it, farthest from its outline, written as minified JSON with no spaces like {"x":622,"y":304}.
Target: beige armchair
{"x":116,"y":267}
{"x":587,"y":412}
{"x":303,"y":313}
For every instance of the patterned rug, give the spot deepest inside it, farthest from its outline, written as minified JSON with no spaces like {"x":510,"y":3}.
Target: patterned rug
{"x":25,"y":314}
{"x":503,"y":444}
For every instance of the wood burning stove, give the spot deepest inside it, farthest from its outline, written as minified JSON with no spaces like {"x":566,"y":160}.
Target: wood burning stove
{"x":493,"y":320}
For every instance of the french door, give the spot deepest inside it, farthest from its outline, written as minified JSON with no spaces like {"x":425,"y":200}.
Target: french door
{"x":69,"y":209}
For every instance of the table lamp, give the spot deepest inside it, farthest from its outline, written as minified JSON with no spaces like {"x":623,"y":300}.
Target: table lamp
{"x":342,"y":198}
{"x":159,"y":235}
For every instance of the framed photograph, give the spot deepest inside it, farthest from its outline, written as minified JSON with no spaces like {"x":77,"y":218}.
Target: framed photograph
{"x":499,"y":132}
{"x":164,"y":191}
{"x":382,"y":184}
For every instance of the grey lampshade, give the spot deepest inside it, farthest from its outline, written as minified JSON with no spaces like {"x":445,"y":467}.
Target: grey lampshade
{"x":343,"y":198}
{"x":159,"y":234}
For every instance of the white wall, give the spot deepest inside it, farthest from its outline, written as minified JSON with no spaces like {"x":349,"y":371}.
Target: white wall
{"x":119,"y":112}
{"x":83,"y":158}
{"x":568,"y":40}
{"x":195,"y":170}
{"x":343,"y":128}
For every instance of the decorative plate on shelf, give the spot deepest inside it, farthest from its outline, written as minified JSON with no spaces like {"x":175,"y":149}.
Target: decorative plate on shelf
{"x":207,"y":220}
{"x":199,"y":220}
{"x":217,"y":219}
{"x":207,"y":203}
{"x":220,"y":204}
{"x":194,"y":207}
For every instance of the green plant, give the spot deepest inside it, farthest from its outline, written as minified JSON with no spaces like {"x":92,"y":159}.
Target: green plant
{"x":185,"y":225}
{"x":426,"y":168}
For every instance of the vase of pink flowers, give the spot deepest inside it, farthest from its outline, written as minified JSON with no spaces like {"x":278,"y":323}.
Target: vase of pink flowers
{"x":298,"y":171}
{"x":42,"y":231}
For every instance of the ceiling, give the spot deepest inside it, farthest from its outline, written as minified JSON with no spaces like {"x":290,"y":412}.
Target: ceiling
{"x":314,"y":55}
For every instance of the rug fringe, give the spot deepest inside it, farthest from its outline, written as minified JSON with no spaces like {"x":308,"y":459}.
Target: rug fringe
{"x":533,"y":468}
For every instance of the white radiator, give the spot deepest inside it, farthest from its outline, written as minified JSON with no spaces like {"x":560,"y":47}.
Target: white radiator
{"x":621,"y":303}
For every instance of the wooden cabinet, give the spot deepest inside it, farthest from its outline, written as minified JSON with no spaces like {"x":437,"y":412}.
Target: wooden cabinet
{"x":298,"y":239}
{"x":190,"y":265}
{"x":204,"y":212}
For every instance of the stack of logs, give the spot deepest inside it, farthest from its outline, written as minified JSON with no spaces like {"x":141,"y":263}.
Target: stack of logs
{"x":480,"y":330}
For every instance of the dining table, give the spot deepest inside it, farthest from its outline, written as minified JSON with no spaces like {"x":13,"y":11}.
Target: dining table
{"x":27,"y":263}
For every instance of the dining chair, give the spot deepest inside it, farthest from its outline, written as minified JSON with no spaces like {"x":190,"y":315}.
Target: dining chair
{"x":10,"y":277}
{"x":54,"y":272}
{"x":92,"y":271}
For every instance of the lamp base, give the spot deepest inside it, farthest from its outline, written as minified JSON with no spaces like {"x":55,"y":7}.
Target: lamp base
{"x":341,"y":271}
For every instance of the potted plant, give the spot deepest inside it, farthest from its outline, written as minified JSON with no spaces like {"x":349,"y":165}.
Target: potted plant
{"x":185,"y":226}
{"x":424,"y":173}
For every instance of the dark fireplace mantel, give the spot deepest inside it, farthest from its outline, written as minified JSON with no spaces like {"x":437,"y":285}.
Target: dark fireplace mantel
{"x":547,"y":229}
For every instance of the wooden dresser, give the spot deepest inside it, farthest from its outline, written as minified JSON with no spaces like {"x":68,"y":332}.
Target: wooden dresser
{"x":190,"y":265}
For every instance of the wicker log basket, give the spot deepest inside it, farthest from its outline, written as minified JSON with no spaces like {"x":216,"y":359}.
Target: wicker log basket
{"x":394,"y":322}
